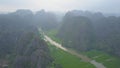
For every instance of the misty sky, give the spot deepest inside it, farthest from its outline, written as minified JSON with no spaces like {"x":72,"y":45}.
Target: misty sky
{"x":106,"y":6}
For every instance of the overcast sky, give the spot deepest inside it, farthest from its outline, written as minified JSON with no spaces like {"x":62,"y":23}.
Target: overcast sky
{"x":106,"y":6}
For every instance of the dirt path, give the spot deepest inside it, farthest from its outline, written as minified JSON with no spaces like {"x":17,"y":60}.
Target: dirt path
{"x":83,"y":57}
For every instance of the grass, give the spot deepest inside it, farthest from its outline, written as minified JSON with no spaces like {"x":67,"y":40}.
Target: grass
{"x":108,"y":60}
{"x":66,"y":60}
{"x":52,"y":34}
{"x":62,"y":58}
{"x":69,"y":61}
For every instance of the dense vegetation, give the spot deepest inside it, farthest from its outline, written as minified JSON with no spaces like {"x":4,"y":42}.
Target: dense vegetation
{"x":22,"y":46}
{"x":109,"y":61}
{"x":63,"y":59}
{"x":20,"y":43}
{"x":75,"y":34}
{"x":85,"y":31}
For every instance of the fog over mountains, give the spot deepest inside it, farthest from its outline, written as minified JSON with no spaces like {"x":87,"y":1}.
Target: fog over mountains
{"x":22,"y":45}
{"x":86,"y":30}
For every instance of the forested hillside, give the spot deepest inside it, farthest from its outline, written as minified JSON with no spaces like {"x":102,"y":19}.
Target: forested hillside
{"x":77,"y":32}
{"x":20,"y":42}
{"x":85,"y":31}
{"x":59,"y":34}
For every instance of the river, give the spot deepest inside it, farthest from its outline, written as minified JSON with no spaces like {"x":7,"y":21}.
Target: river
{"x":83,"y":57}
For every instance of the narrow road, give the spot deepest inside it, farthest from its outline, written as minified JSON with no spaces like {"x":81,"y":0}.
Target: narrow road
{"x":84,"y":58}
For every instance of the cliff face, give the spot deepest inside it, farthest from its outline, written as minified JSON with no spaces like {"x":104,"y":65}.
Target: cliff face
{"x":20,"y":43}
{"x":33,"y":52}
{"x":76,"y":32}
{"x":92,"y":31}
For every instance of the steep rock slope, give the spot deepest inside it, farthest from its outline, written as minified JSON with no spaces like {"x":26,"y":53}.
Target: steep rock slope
{"x":76,"y":32}
{"x":20,"y":42}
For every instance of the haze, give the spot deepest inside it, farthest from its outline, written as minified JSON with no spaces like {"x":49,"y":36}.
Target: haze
{"x":59,"y":34}
{"x":105,"y":6}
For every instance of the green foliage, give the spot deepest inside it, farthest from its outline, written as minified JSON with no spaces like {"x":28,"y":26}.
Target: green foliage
{"x":66,"y":60}
{"x":20,"y":41}
{"x":77,"y":32}
{"x":52,"y":34}
{"x":86,"y":31}
{"x":108,"y":60}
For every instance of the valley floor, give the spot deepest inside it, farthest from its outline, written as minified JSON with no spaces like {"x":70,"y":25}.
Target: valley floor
{"x":82,"y":57}
{"x":66,"y":60}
